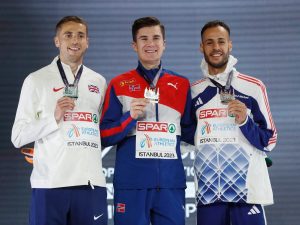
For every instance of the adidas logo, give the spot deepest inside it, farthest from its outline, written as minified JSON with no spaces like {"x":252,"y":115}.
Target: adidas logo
{"x":254,"y":210}
{"x":199,"y":102}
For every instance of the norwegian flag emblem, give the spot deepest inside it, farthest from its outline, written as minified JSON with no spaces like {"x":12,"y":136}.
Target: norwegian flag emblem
{"x":134,"y":87}
{"x":93,"y":88}
{"x":121,"y":207}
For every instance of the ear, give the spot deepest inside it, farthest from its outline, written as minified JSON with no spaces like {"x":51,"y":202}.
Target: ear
{"x":201,"y":47}
{"x":87,"y":42}
{"x":133,"y":45}
{"x":230,"y":46}
{"x":56,"y":41}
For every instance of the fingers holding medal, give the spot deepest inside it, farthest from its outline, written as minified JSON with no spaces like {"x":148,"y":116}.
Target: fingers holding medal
{"x":138,"y":107}
{"x":238,"y":109}
{"x":63,"y":104}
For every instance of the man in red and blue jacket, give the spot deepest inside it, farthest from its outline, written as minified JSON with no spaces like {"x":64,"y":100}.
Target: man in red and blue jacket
{"x":147,"y":112}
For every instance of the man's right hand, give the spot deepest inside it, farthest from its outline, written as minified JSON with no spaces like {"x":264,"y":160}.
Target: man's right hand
{"x":138,"y":107}
{"x":63,"y":104}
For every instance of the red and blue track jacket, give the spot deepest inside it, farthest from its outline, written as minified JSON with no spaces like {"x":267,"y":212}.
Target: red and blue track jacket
{"x":118,"y":128}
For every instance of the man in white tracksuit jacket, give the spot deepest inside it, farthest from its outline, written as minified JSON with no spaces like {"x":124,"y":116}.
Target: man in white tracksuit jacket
{"x":234,"y":131}
{"x":59,"y":110}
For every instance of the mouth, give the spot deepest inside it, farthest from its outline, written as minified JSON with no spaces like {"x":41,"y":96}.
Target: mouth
{"x":216,"y":54}
{"x":150,"y":51}
{"x":74,"y":49}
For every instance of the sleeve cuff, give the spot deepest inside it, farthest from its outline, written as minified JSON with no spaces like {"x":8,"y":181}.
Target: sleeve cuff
{"x":246,"y":120}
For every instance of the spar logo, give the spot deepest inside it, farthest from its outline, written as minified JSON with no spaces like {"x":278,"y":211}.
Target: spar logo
{"x":81,"y":116}
{"x":156,"y":127}
{"x":213,"y":113}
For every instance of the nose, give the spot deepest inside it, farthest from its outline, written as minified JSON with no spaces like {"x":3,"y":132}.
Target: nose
{"x":150,"y":41}
{"x":75,"y":39}
{"x":216,"y":46}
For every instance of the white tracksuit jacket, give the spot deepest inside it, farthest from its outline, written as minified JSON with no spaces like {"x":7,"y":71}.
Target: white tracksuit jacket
{"x":230,"y":159}
{"x":68,"y":153}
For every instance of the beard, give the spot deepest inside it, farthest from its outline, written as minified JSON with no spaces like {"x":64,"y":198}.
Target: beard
{"x":219,"y":65}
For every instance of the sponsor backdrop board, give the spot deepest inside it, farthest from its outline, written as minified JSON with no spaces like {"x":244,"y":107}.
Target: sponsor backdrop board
{"x":265,"y":38}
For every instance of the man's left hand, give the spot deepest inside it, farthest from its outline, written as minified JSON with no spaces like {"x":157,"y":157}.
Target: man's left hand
{"x":238,"y":110}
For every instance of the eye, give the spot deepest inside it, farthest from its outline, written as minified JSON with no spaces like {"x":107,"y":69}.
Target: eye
{"x":222,"y":41}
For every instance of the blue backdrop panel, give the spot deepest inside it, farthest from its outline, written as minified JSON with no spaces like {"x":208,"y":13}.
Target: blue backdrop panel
{"x":265,"y":38}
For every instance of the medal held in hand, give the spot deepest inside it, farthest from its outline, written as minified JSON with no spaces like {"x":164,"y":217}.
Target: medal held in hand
{"x":226,"y":93}
{"x":152,"y":95}
{"x":71,"y":91}
{"x":226,"y":96}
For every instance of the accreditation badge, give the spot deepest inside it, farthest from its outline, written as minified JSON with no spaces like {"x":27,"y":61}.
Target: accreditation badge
{"x":81,"y":130}
{"x":71,"y":91}
{"x":215,"y":126}
{"x":156,"y":140}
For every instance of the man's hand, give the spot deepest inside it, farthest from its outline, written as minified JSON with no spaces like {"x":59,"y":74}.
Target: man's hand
{"x":138,"y":107}
{"x":63,"y":104}
{"x":238,"y":110}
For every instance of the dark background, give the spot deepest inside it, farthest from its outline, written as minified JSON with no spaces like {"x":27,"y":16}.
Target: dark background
{"x":266,"y":40}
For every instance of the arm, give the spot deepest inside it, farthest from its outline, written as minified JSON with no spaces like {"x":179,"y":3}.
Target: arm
{"x":29,"y":126}
{"x":188,"y":121}
{"x":260,"y":130}
{"x":115,"y":125}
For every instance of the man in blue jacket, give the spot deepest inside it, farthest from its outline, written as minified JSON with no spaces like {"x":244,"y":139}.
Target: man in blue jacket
{"x":146,"y":114}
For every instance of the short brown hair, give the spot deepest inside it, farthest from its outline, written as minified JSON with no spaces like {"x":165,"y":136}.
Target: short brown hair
{"x":66,"y":19}
{"x":146,"y":22}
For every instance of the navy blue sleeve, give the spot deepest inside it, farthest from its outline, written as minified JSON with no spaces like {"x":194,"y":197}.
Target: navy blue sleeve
{"x":114,"y":124}
{"x":188,"y":121}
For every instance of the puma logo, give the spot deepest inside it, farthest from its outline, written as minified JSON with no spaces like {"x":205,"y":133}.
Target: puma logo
{"x":173,"y":85}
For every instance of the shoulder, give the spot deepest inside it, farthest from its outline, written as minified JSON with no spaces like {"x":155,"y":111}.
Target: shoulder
{"x":126,"y":78}
{"x":249,"y":81}
{"x":94,"y":75}
{"x":199,"y":85}
{"x":41,"y":75}
{"x":198,"y":82}
{"x":176,"y":76}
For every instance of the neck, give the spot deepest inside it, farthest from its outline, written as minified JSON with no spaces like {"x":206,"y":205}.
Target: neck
{"x":74,"y":68}
{"x":214,"y":71}
{"x":150,"y":66}
{"x":73,"y":65}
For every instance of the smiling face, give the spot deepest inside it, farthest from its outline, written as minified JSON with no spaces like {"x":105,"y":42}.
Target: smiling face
{"x":72,"y":41}
{"x":216,"y":46}
{"x":149,"y":46}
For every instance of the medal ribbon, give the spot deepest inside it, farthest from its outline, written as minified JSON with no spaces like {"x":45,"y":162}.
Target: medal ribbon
{"x":63,"y":75}
{"x":154,"y":82}
{"x":226,"y":88}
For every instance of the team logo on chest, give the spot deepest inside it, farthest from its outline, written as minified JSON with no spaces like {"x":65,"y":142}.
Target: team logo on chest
{"x":93,"y":88}
{"x":127,"y":82}
{"x":134,"y":87}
